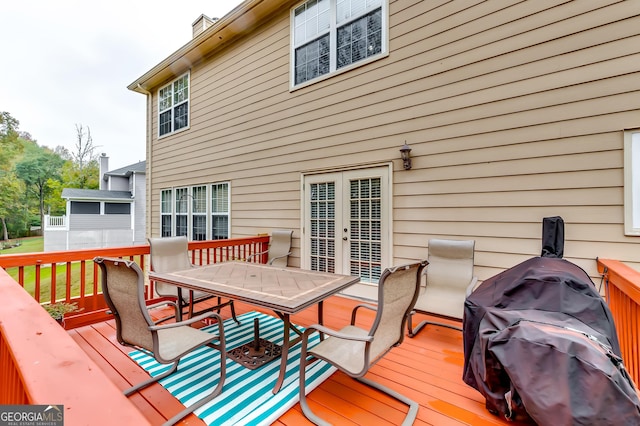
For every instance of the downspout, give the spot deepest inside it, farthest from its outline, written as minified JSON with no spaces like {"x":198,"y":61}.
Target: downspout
{"x":149,"y":168}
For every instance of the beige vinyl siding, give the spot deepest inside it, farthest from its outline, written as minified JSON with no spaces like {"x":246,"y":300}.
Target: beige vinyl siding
{"x":514,"y":111}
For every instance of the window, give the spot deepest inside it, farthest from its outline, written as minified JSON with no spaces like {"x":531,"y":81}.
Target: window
{"x":220,"y":211}
{"x":173,"y":106}
{"x":117,"y":208}
{"x":84,"y":207}
{"x":165,"y":213}
{"x":329,"y":35}
{"x":182,"y":211}
{"x":201,"y":212}
{"x":632,"y":182}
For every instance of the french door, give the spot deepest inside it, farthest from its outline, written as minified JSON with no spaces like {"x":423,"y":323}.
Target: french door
{"x":347,"y":223}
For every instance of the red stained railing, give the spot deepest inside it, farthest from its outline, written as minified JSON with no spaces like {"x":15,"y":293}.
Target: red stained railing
{"x":82,"y":281}
{"x":37,"y":356}
{"x":622,"y":286}
{"x":41,"y":364}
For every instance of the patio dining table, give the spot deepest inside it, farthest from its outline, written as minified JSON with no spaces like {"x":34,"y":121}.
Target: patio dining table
{"x":286,"y":291}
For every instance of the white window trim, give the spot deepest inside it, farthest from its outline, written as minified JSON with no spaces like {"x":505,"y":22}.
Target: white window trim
{"x":332,"y":36}
{"x":173,"y":106}
{"x":632,"y":182}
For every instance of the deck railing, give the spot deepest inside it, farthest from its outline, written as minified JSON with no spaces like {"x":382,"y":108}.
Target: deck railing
{"x":38,"y":357}
{"x":41,"y":364}
{"x":622,"y":291}
{"x":55,"y":223}
{"x":71,"y":276}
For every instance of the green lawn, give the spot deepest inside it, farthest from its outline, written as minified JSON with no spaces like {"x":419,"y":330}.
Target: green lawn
{"x":34,"y":245}
{"x":27,"y":245}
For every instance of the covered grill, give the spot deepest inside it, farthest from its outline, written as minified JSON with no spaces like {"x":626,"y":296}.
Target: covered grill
{"x":540,"y":345}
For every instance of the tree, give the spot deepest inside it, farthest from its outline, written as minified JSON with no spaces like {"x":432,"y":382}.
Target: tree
{"x":10,"y":201}
{"x":84,"y":152}
{"x":9,"y":143}
{"x":37,"y":170}
{"x":71,"y":177}
{"x":10,"y":189}
{"x":83,"y":169}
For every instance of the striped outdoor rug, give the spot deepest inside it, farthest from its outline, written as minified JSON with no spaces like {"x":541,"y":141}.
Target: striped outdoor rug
{"x":247,"y":397}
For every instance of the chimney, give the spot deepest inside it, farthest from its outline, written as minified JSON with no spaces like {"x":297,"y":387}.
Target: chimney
{"x":104,"y":168}
{"x":202,"y":23}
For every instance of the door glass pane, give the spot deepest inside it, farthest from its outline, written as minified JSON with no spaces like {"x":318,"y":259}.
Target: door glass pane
{"x":323,"y":233}
{"x":365,"y":224}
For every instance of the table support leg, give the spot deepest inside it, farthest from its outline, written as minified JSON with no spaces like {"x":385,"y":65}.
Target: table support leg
{"x":285,"y":353}
{"x":321,"y":317}
{"x":179,"y":302}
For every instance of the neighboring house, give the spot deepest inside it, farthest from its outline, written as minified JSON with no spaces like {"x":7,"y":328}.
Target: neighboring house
{"x":290,"y":114}
{"x":112,"y":216}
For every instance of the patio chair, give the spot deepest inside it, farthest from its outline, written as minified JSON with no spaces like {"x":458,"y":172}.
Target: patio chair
{"x":123,"y":288}
{"x":354,"y":350}
{"x":172,"y":254}
{"x":279,"y":248}
{"x":449,"y":281}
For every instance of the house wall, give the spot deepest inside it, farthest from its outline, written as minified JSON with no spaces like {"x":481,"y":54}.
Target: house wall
{"x":93,"y":221}
{"x":514,"y":111}
{"x":91,"y":231}
{"x":117,"y":183}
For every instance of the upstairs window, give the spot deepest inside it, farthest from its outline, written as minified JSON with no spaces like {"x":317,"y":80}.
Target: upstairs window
{"x":331,"y":35}
{"x":173,"y":106}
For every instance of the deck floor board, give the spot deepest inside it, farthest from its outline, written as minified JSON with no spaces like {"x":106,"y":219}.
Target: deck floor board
{"x":427,"y":368}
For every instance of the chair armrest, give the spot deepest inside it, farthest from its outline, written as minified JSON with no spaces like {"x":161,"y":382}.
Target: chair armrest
{"x":279,"y":257}
{"x":187,"y":322}
{"x":163,"y":303}
{"x":322,"y":329}
{"x":471,"y":287}
{"x":255,"y":254}
{"x":355,"y":309}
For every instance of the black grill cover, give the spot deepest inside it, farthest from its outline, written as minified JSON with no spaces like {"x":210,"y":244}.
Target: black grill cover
{"x":540,"y":345}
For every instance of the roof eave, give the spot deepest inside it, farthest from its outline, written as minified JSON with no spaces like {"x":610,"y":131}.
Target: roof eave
{"x":234,"y":24}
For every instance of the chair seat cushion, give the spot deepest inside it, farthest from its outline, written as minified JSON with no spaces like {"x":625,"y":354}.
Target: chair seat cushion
{"x":177,"y":341}
{"x":348,"y":355}
{"x":441,"y":300}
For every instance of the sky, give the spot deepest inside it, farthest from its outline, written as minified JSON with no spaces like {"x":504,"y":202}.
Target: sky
{"x":69,"y":62}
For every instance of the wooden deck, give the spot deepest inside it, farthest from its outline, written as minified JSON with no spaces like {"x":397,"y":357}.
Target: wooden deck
{"x":427,"y":368}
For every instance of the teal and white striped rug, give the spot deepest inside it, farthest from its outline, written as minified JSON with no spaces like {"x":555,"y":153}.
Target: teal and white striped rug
{"x":246,"y":398}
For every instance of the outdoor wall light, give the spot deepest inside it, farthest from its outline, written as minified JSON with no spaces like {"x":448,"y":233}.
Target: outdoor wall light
{"x":405,"y":152}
